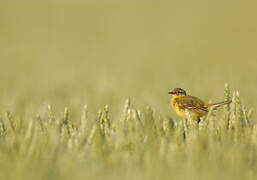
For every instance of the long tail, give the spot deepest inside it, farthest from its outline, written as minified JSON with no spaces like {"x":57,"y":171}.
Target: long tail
{"x":215,"y":105}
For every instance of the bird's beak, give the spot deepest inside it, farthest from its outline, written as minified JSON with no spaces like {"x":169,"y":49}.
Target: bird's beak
{"x":171,"y":92}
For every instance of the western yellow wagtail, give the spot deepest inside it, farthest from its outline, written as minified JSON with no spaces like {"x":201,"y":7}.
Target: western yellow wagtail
{"x":181,"y":102}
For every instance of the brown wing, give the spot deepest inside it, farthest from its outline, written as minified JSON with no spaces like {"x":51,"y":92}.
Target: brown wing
{"x":192,"y":104}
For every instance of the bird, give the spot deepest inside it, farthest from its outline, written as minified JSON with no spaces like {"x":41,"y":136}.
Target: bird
{"x":182,"y":102}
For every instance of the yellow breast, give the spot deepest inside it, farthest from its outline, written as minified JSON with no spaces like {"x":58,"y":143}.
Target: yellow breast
{"x":180,"y":112}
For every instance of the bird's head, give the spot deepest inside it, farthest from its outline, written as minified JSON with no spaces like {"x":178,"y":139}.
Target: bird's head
{"x":178,"y":92}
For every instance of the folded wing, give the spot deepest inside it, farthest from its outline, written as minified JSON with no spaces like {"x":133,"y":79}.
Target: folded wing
{"x":193,"y":105}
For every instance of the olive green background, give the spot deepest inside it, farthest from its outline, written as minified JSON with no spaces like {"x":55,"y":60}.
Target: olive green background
{"x":100,"y":52}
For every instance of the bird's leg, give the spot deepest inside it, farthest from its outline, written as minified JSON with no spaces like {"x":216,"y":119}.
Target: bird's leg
{"x":198,"y":120}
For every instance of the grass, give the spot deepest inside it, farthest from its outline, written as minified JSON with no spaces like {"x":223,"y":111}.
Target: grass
{"x":83,"y":89}
{"x":140,"y":143}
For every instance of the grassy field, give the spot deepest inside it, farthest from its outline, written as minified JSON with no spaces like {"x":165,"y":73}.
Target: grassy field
{"x":84,"y":89}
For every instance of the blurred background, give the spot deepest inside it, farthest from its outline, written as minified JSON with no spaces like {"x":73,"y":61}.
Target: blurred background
{"x":97,"y":52}
{"x":68,"y":53}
